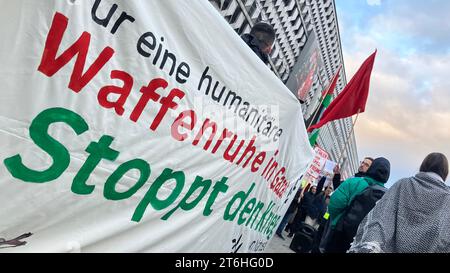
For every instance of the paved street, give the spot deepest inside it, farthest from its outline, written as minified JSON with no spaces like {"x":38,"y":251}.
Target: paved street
{"x":278,"y":245}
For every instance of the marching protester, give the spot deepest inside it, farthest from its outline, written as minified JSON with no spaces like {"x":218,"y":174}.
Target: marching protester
{"x":413,"y":216}
{"x":260,"y":40}
{"x":342,"y":227}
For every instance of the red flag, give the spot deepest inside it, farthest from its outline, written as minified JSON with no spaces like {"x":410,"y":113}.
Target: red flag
{"x":353,"y":98}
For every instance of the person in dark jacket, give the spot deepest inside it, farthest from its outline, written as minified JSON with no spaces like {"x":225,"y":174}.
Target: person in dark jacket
{"x":363,"y":168}
{"x":311,"y":207}
{"x":377,"y":174}
{"x":319,"y":205}
{"x":260,"y":40}
{"x":302,"y":211}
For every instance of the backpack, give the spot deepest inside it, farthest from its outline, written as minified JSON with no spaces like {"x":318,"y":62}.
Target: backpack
{"x":359,"y":207}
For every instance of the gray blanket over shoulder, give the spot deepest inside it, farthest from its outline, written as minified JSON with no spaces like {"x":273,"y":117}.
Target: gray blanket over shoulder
{"x":412,"y":217}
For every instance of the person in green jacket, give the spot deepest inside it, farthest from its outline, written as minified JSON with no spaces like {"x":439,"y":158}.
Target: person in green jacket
{"x":378,"y":174}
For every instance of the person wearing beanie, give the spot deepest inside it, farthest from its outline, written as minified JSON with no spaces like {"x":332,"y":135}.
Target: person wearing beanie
{"x":341,"y":202}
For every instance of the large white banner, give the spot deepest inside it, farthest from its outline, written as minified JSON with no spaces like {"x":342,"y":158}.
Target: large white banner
{"x":140,"y":126}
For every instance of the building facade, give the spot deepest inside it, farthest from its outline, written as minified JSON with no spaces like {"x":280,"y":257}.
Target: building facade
{"x":296,"y":21}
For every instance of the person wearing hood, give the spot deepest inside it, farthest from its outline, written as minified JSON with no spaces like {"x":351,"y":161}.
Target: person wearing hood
{"x":260,"y":40}
{"x":377,"y":174}
{"x":413,"y":216}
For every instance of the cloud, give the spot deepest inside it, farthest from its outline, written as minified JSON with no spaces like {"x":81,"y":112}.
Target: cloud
{"x":408,"y":111}
{"x":374,"y":2}
{"x":400,"y":122}
{"x":421,"y":24}
{"x":413,"y":25}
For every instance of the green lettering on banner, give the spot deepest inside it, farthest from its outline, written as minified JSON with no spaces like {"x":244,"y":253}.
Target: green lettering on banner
{"x":273,"y":224}
{"x":220,"y":186}
{"x":261,"y":223}
{"x":240,"y":195}
{"x":255,"y":214}
{"x":39,"y":134}
{"x":184,"y":205}
{"x":98,"y":151}
{"x":268,"y":225}
{"x":247,"y":209}
{"x":151,"y":198}
{"x":109,"y":191}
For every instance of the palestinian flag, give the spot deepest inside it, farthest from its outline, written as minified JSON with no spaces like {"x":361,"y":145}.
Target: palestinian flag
{"x":326,"y":98}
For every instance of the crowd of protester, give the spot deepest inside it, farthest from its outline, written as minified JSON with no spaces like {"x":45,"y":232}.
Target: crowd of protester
{"x":361,"y":215}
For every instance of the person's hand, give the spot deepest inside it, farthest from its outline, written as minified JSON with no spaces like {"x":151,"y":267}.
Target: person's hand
{"x":336,"y":169}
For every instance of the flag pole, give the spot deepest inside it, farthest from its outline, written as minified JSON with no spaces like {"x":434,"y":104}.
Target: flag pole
{"x":348,"y":138}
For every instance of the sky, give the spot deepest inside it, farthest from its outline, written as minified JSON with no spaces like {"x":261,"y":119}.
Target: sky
{"x":408,"y":110}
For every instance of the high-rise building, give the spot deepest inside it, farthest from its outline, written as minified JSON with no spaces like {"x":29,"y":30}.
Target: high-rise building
{"x":296,"y":22}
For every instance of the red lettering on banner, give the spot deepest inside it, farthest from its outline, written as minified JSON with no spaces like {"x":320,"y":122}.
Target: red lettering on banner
{"x":206,"y":124}
{"x":166,"y":104}
{"x":250,"y":149}
{"x":258,"y":161}
{"x":180,"y":123}
{"x":314,"y":168}
{"x":112,"y":89}
{"x":50,"y":64}
{"x":316,"y":161}
{"x":148,"y":92}
{"x":225,"y":134}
